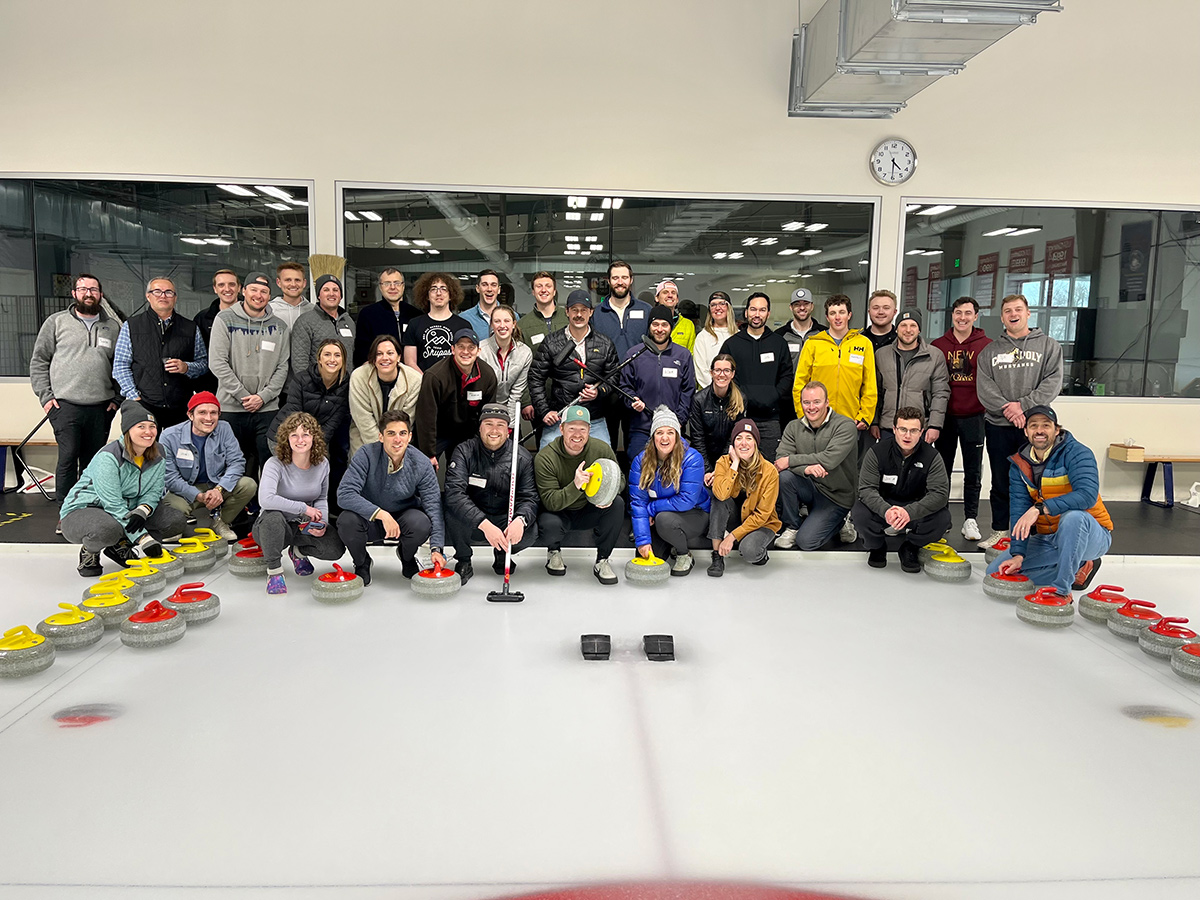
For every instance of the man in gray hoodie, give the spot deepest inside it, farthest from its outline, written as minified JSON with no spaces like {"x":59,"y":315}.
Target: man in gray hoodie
{"x":1021,"y":369}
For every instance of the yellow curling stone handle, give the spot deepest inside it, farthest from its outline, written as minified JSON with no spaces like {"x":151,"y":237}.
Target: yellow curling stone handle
{"x":194,"y":545}
{"x":948,"y":556}
{"x":938,"y":547}
{"x":20,"y":638}
{"x":593,"y":485}
{"x":159,"y":560}
{"x":73,"y":615}
{"x":139,"y":567}
{"x":206,"y":535}
{"x":104,"y":601}
{"x":650,"y":560}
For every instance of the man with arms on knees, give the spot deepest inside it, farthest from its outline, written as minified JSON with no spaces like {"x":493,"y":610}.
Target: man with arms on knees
{"x":1021,"y":369}
{"x":818,"y":468}
{"x":902,"y":489}
{"x":289,"y":276}
{"x":205,"y":467}
{"x":1060,"y":527}
{"x":453,"y":394}
{"x":660,"y":375}
{"x":477,"y":483}
{"x":683,"y":332}
{"x":803,"y":325}
{"x":764,"y":373}
{"x":388,"y":315}
{"x":390,"y":490}
{"x":71,"y":371}
{"x":559,"y":472}
{"x":487,"y":288}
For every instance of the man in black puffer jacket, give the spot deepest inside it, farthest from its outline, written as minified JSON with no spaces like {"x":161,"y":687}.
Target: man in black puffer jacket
{"x":476,"y":501}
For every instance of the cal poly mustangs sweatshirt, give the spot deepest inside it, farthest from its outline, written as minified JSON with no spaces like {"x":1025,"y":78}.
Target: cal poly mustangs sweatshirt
{"x":1028,"y":370}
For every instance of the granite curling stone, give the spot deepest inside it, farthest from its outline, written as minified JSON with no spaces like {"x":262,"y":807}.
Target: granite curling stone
{"x":1006,"y":587}
{"x":154,"y":626}
{"x":436,"y":581}
{"x":115,"y":582}
{"x":141,"y":572}
{"x":1046,"y":608}
{"x":1185,"y":661}
{"x":213,"y":541}
{"x":927,"y":552}
{"x":196,"y":555}
{"x":248,"y":562}
{"x":647,"y":571}
{"x":338,"y":586}
{"x":1097,"y":603}
{"x":1164,"y":636}
{"x":72,"y":629}
{"x":195,"y":605}
{"x":948,"y":567}
{"x":112,"y":608}
{"x":24,"y":653}
{"x":604,"y":483}
{"x":1127,"y":621}
{"x":168,"y":563}
{"x":1001,"y":546}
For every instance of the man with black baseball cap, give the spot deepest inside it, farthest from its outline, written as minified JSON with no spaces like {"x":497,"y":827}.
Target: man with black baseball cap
{"x":803,"y":325}
{"x":911,"y":373}
{"x":1060,"y":526}
{"x":454,"y":391}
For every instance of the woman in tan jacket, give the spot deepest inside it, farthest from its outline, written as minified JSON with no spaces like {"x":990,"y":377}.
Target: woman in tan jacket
{"x":743,"y":475}
{"x":381,"y":383}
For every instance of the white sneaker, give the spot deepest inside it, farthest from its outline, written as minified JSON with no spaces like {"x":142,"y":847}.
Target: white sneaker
{"x":970,"y":530}
{"x":848,"y":534}
{"x":991,"y":539}
{"x":221,"y":527}
{"x":786,"y":539}
{"x":554,"y":563}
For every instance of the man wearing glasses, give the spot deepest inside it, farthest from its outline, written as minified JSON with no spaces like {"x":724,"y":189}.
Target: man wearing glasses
{"x":158,"y":356}
{"x":389,"y":315}
{"x":70,"y":370}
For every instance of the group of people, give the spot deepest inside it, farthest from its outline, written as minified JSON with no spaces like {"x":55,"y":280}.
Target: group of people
{"x":732,"y":434}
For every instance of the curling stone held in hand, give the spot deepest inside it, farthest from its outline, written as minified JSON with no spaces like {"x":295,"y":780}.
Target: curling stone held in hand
{"x":338,"y":586}
{"x":436,"y":581}
{"x":1046,"y":608}
{"x":1129,"y":620}
{"x":1185,"y":661}
{"x":115,"y":582}
{"x":197,"y":606}
{"x":112,"y":608}
{"x":1001,"y":546}
{"x":1161,"y":638}
{"x":197,"y":556}
{"x":927,"y":552}
{"x":72,"y":629}
{"x":169,"y":564}
{"x":213,"y":541}
{"x":154,"y":626}
{"x":949,"y":567}
{"x":605,"y":482}
{"x":647,"y":571}
{"x":249,"y":561}
{"x":150,"y":578}
{"x":1006,"y":587}
{"x":1097,"y":603}
{"x":24,"y":653}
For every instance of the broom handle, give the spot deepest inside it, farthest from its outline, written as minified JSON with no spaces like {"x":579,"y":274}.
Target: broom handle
{"x":512,"y":488}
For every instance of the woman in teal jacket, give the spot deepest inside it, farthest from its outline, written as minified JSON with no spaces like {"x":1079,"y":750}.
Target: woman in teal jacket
{"x":116,"y":507}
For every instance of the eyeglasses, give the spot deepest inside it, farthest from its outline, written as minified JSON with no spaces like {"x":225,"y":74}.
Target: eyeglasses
{"x":87,"y":290}
{"x":712,"y":303}
{"x":439,"y":289}
{"x":391,"y":284}
{"x":722,"y":371}
{"x":909,"y":431}
{"x":158,"y":292}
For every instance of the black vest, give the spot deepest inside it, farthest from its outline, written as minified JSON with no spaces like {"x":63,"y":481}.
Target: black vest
{"x":150,"y":345}
{"x":910,"y":472}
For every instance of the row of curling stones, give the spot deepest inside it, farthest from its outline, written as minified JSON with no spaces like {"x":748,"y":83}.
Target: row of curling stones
{"x":941,"y":562}
{"x":1163,"y":637}
{"x":657,"y":647}
{"x":166,"y":621}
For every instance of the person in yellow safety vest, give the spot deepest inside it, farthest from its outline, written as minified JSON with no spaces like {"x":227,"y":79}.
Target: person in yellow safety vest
{"x":843,"y":360}
{"x":683,"y":332}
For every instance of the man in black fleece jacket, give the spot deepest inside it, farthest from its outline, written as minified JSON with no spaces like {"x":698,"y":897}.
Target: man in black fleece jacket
{"x":764,"y":373}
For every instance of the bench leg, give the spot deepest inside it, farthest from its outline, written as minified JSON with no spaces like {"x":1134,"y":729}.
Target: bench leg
{"x":1168,"y":483}
{"x":4,"y":468}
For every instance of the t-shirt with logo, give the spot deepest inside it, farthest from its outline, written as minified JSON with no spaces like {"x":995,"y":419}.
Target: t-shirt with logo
{"x":433,"y":338}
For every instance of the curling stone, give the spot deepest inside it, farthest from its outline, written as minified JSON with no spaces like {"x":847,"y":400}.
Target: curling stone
{"x":1046,"y":608}
{"x":659,"y":647}
{"x":1129,"y":620}
{"x":1097,"y":603}
{"x":195,"y":605}
{"x":169,"y":564}
{"x":927,"y":552}
{"x":1001,"y":546}
{"x":118,"y":582}
{"x":338,"y":586}
{"x":112,"y":608}
{"x":605,"y":482}
{"x":1185,"y":661}
{"x":211,"y":539}
{"x":436,"y":582}
{"x":151,"y":579}
{"x":197,"y":556}
{"x":24,"y":653}
{"x":248,"y":562}
{"x":595,"y":646}
{"x":72,"y":629}
{"x":1161,"y":638}
{"x":949,"y":567}
{"x":1006,"y":587}
{"x":648,"y":571}
{"x":154,"y":626}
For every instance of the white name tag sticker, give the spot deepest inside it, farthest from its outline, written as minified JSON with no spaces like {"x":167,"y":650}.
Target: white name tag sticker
{"x":637,"y":314}
{"x":268,"y":345}
{"x":184,"y":453}
{"x":766,"y":357}
{"x":1005,"y":357}
{"x":538,"y":338}
{"x":891,"y":479}
{"x":474,"y":396}
{"x":856,"y":358}
{"x":477,"y":481}
{"x":104,"y":342}
{"x":670,"y":373}
{"x":344,"y":332}
{"x":404,"y":328}
{"x":653,"y":494}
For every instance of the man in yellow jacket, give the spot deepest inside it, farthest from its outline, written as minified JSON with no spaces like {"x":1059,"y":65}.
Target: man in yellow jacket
{"x":683,"y":332}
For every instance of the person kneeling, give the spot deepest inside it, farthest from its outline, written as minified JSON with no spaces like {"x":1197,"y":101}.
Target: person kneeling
{"x":902,"y":489}
{"x":390,"y":490}
{"x":743,"y":474}
{"x":667,"y":493}
{"x":294,"y":498}
{"x":477,"y":489}
{"x":116,"y":504}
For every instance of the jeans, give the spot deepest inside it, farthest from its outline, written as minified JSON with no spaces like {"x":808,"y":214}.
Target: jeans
{"x":250,"y":431}
{"x":235,"y":501}
{"x":80,"y":430}
{"x":1002,"y":442}
{"x":1054,"y":559}
{"x":918,"y":533}
{"x":599,"y":431}
{"x":824,"y":516}
{"x":726,"y":515}
{"x":967,"y":432}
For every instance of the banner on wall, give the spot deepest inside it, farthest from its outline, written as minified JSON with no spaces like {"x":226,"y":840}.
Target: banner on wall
{"x":1020,"y":260}
{"x":910,"y":287}
{"x":1060,"y":256}
{"x":933,"y":299}
{"x":985,"y":280}
{"x":1136,"y":241}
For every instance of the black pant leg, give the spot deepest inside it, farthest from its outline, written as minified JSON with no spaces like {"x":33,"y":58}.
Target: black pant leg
{"x":870,"y":526}
{"x":1002,"y":442}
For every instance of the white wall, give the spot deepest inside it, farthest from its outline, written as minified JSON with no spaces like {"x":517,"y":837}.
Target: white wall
{"x":1091,"y":105}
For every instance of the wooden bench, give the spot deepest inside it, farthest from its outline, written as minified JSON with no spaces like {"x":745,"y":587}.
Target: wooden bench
{"x":1122,"y":453}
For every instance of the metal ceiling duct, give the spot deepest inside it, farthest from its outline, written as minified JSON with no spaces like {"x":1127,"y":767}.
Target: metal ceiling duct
{"x":867,"y":58}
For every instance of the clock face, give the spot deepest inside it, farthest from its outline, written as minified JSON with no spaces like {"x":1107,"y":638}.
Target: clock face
{"x":893,"y":162}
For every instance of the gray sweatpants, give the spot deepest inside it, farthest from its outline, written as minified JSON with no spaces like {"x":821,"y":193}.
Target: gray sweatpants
{"x":274,"y":533}
{"x":96,"y":529}
{"x":726,"y":515}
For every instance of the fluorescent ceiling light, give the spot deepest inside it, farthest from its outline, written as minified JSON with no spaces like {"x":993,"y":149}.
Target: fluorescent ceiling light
{"x":595,"y":246}
{"x":606,"y":203}
{"x":282,"y":207}
{"x":351,"y":216}
{"x":298,"y":202}
{"x":936,"y":210}
{"x":574,"y":216}
{"x":839,"y":271}
{"x":218,"y":241}
{"x":573,"y":247}
{"x":791,"y":226}
{"x":932,"y":253}
{"x":591,"y":237}
{"x":618,"y":202}
{"x":812,"y":252}
{"x":433,"y":252}
{"x":193,"y":240}
{"x":1025,"y":229}
{"x":806,"y":275}
{"x":571,"y":237}
{"x":817,"y":226}
{"x":767,"y":242}
{"x":596,"y":217}
{"x":917,"y":252}
{"x":1008,"y":229}
{"x":720,"y":255}
{"x":373,"y":216}
{"x":400,"y":242}
{"x":737,"y":255}
{"x":749,"y":242}
{"x":273,"y":191}
{"x":790,"y":251}
{"x":570,"y":252}
{"x":827,"y":269}
{"x":237,"y":189}
{"x":422,"y":243}
{"x":864,"y":262}
{"x":912,"y":207}
{"x":416,"y":250}
{"x":577,"y":202}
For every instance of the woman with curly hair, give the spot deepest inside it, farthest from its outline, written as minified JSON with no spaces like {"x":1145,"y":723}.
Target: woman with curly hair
{"x":430,"y":336}
{"x":742,"y":474}
{"x":294,"y":496}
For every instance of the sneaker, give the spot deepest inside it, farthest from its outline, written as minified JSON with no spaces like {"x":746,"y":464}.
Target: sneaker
{"x":89,"y":563}
{"x":301,"y":564}
{"x":910,"y":561}
{"x":149,"y":546}
{"x":498,"y":564}
{"x":554,"y":563}
{"x":786,"y":539}
{"x":990,"y":541}
{"x":58,"y":529}
{"x":970,"y":531}
{"x":877,"y":558}
{"x":464,"y":569}
{"x":120,"y":552}
{"x":222,"y":529}
{"x":848,"y":534}
{"x":408,"y":567}
{"x":681,"y":565}
{"x":762,"y":562}
{"x":717,"y":568}
{"x":276,"y":584}
{"x":1086,"y":573}
{"x":364,"y":572}
{"x":603,"y":572}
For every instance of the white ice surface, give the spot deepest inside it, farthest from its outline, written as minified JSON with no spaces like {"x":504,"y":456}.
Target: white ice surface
{"x":825,"y":725}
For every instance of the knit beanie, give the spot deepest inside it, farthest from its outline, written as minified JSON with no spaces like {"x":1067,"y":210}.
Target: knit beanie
{"x":664,"y":417}
{"x":745,"y":425}
{"x":133,"y":413}
{"x":663,"y":312}
{"x":324,"y":280}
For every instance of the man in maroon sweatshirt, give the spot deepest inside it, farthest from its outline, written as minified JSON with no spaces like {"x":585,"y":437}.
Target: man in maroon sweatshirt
{"x":964,"y":419}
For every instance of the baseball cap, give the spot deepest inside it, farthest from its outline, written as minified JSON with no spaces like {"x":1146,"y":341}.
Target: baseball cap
{"x":802,"y":295}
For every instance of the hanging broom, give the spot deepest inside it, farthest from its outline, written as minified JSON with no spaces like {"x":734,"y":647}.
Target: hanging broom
{"x":326,"y":264}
